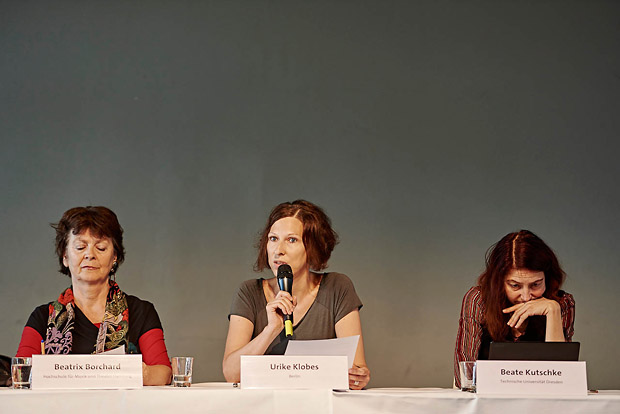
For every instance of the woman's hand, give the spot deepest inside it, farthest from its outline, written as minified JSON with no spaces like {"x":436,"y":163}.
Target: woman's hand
{"x":156,"y":374}
{"x":522,"y":311}
{"x":359,"y":376}
{"x":350,"y":325}
{"x":282,"y":304}
{"x":240,"y":342}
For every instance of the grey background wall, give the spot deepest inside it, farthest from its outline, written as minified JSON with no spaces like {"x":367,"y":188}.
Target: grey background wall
{"x":427,"y":130}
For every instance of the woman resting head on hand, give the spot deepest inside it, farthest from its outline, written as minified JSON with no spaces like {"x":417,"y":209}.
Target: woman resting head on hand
{"x":323,"y":305}
{"x":518,"y":298}
{"x":93,"y":315}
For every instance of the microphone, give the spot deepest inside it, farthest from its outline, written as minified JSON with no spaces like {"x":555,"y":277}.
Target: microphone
{"x":285,"y":283}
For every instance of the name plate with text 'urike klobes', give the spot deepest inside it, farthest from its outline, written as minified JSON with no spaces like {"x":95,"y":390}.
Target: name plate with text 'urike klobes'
{"x":566,"y":378}
{"x":294,"y":372}
{"x":86,"y":371}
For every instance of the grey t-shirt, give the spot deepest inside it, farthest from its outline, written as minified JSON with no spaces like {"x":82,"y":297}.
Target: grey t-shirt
{"x":335,"y":299}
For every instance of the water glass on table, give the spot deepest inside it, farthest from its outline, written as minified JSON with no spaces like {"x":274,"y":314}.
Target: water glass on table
{"x":182,"y":371}
{"x":467,"y":371}
{"x":20,"y":372}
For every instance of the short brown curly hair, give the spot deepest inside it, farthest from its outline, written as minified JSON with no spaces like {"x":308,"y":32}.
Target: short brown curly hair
{"x":318,"y":236}
{"x":99,"y":220}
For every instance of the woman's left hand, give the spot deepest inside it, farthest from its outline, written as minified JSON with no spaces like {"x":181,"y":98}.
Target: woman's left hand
{"x":358,"y":377}
{"x":156,"y":374}
{"x":522,"y":311}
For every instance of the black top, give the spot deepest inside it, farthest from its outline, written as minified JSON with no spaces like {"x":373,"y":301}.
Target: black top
{"x":142,"y":318}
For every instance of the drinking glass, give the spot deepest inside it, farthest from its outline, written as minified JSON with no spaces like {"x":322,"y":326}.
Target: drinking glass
{"x":20,"y":372}
{"x":182,"y":371}
{"x":468,"y":375}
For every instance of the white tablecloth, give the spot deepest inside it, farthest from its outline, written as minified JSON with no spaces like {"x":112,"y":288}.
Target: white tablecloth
{"x":223,"y":398}
{"x":437,"y":400}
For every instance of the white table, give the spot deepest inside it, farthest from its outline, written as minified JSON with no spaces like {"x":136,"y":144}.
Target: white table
{"x":223,"y":398}
{"x":438,"y":400}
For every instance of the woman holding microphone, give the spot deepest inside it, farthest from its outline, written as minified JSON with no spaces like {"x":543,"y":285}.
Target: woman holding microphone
{"x":323,"y":305}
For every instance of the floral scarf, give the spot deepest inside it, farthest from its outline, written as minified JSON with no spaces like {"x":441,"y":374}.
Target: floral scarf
{"x":112,"y":331}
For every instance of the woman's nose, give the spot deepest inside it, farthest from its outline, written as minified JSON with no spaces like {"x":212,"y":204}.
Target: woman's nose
{"x":280,"y":248}
{"x":526,"y":295}
{"x":88,"y":252}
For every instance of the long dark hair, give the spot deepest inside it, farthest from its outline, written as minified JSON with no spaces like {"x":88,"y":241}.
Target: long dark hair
{"x":519,"y":250}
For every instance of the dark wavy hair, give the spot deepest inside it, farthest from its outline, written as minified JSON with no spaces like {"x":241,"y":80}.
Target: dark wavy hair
{"x":318,"y":236}
{"x":100,"y":221}
{"x":519,"y":250}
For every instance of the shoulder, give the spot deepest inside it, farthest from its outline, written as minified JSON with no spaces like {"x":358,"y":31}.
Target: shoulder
{"x":38,"y":317}
{"x":42,"y":309}
{"x":566,"y":300}
{"x":251,"y":286}
{"x":142,"y":314}
{"x":250,"y":292}
{"x":252,"y":283}
{"x":473,"y":296}
{"x":338,"y":294}
{"x":136,"y":302}
{"x":473,"y":305}
{"x":248,"y":300}
{"x":336,"y":280}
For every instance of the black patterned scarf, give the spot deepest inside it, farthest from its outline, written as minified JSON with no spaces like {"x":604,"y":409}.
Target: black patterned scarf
{"x":112,"y":331}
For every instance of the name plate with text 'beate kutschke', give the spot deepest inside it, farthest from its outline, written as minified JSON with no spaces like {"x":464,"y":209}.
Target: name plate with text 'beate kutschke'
{"x":567,"y":378}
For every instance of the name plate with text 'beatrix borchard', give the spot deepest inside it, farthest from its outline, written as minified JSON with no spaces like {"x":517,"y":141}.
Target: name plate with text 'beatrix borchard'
{"x":86,"y":371}
{"x":294,"y":372}
{"x":567,"y":378}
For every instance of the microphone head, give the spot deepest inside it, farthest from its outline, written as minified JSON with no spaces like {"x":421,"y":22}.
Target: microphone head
{"x":285,"y":278}
{"x":285,"y":271}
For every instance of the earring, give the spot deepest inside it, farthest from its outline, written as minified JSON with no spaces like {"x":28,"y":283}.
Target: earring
{"x":113,"y":271}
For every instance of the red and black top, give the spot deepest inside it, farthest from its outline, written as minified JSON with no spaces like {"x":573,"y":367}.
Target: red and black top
{"x":473,"y":340}
{"x":145,"y":334}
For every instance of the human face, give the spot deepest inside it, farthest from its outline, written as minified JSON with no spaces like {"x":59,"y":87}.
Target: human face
{"x":89,"y":258}
{"x":285,"y":246}
{"x":523,"y":285}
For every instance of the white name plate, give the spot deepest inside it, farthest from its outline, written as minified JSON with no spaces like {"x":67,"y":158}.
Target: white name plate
{"x":86,"y":371}
{"x":294,"y":372}
{"x":531,"y":377}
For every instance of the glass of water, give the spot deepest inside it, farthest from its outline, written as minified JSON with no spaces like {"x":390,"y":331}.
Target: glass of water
{"x":182,"y":371}
{"x":468,"y":375}
{"x":20,"y":372}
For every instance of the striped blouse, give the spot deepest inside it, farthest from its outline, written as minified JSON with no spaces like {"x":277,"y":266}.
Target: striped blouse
{"x":471,"y":326}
